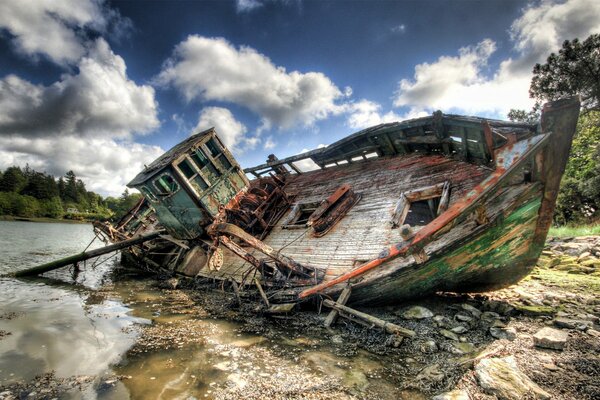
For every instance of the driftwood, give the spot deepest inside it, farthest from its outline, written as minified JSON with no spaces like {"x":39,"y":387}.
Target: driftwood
{"x":40,"y":269}
{"x":374,"y":321}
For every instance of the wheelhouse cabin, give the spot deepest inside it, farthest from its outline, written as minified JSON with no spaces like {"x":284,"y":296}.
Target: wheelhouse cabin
{"x":188,"y":183}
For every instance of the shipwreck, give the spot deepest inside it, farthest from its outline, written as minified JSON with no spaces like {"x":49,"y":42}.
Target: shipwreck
{"x":395,"y":211}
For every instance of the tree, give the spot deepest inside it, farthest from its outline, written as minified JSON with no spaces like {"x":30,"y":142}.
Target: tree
{"x":574,"y":70}
{"x":71,"y":193}
{"x":13,"y":180}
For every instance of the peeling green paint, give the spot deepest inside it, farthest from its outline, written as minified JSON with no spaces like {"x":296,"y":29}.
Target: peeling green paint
{"x":501,"y":255}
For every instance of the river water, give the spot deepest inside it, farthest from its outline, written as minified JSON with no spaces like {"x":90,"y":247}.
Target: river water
{"x":86,"y":325}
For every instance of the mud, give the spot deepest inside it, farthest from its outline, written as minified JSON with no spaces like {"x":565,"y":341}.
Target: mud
{"x":202,"y":343}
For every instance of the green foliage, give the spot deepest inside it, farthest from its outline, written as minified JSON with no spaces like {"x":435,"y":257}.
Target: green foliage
{"x":13,"y":180}
{"x":28,"y":193}
{"x":579,"y":196}
{"x":571,"y":231}
{"x":529,"y":117}
{"x":574,"y":70}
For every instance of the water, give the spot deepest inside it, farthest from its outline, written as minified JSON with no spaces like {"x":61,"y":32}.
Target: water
{"x":84,"y":324}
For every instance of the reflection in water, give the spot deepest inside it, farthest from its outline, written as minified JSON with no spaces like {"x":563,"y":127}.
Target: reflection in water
{"x":88,"y":327}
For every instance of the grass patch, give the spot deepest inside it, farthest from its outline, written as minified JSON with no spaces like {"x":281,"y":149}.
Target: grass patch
{"x":565,"y":231}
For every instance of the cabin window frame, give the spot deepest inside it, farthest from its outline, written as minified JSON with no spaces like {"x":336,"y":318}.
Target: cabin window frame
{"x":197,"y":173}
{"x":159,"y":191}
{"x":210,"y":168}
{"x":293,"y":220}
{"x":218,"y":155}
{"x":441,"y":191}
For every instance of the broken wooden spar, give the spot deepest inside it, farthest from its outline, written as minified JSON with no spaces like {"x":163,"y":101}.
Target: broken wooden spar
{"x":386,"y":326}
{"x":86,"y":255}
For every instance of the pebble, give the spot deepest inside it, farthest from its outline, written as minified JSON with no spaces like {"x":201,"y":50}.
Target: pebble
{"x":472,"y":310}
{"x":417,"y":312}
{"x":456,"y":394}
{"x":459,"y":329}
{"x":449,"y":334}
{"x":503,"y":333}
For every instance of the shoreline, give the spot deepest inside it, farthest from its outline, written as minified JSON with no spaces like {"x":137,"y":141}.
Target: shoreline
{"x":42,"y":219}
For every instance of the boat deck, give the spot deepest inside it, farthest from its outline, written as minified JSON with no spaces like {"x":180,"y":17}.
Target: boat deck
{"x":366,"y":229}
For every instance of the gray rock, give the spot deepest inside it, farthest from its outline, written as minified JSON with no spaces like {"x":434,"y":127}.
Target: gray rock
{"x":417,"y":312}
{"x":449,"y":334}
{"x":462,"y":348}
{"x":550,"y":338}
{"x":456,"y":394}
{"x":432,"y":373}
{"x":567,"y":323}
{"x":472,"y":310}
{"x":501,"y":377}
{"x":463,"y":317}
{"x":442,"y":321}
{"x":489,"y":317}
{"x":503,"y":333}
{"x":459,"y":329}
{"x":429,"y":346}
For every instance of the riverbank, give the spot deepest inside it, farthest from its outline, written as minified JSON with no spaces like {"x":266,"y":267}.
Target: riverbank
{"x":202,"y":343}
{"x":43,"y":219}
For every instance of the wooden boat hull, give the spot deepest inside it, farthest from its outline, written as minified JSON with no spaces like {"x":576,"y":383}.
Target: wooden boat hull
{"x":490,"y":187}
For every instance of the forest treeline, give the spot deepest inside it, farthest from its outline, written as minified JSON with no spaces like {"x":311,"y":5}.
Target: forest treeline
{"x":27,"y":193}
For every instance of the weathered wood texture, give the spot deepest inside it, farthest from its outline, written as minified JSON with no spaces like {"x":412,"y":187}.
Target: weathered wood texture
{"x":366,"y":229}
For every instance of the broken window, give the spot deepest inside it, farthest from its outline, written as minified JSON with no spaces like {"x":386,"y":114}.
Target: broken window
{"x":217,"y":153}
{"x":299,"y":216}
{"x":204,"y":165}
{"x":192,"y":175}
{"x":166,"y":185}
{"x":421,"y":206}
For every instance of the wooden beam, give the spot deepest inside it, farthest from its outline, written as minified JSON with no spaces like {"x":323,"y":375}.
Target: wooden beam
{"x":262,"y":292}
{"x":342,"y":300}
{"x":374,"y":321}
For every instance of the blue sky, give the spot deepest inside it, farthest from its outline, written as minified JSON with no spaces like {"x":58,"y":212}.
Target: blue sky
{"x":104,"y":87}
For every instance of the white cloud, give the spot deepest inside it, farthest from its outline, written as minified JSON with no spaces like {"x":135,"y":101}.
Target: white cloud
{"x":213,"y":69}
{"x":99,"y":101}
{"x":231,"y":131}
{"x":83,"y":122}
{"x":55,"y":29}
{"x":105,"y":165}
{"x":460,"y":83}
{"x":398,"y":28}
{"x":366,"y":113}
{"x":269,"y":143}
{"x":248,"y":5}
{"x":308,"y":164}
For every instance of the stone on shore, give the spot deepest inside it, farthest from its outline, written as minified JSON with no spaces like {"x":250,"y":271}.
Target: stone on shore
{"x":501,"y":377}
{"x":503,"y":333}
{"x":456,"y":394}
{"x":550,"y":338}
{"x":417,"y":312}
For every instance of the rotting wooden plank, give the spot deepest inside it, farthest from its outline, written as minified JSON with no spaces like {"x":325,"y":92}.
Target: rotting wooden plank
{"x":262,"y":292}
{"x":342,"y":300}
{"x":386,"y":326}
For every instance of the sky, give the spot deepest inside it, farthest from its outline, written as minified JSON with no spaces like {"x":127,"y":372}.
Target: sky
{"x":104,"y":87}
